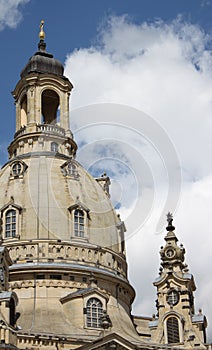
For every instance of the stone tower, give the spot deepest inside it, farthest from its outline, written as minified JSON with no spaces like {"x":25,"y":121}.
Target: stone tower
{"x":65,"y":240}
{"x":176,"y":321}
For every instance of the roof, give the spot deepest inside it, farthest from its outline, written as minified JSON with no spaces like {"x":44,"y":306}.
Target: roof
{"x":43,"y":62}
{"x":82,"y":292}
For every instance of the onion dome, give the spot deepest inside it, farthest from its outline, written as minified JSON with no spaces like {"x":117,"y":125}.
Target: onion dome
{"x":42,"y":61}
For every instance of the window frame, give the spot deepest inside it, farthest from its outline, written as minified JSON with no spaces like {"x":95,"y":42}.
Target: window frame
{"x":72,"y":209}
{"x":70,"y":169}
{"x":79,"y":223}
{"x":180,"y":329}
{"x":17,"y":174}
{"x":94,"y":313}
{"x":172,"y":297}
{"x":17,"y":210}
{"x":54,"y":147}
{"x":10,"y":224}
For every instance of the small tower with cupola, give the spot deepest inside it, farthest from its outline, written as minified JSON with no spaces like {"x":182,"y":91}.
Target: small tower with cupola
{"x":176,"y":322}
{"x":42,"y":106}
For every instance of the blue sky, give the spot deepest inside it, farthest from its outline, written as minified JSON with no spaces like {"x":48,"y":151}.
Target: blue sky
{"x":149,"y":56}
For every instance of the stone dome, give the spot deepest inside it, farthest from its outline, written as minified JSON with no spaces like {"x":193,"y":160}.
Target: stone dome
{"x":48,"y":191}
{"x":43,"y":62}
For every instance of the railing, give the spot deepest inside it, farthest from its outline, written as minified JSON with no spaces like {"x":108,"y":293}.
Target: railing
{"x":20,"y":132}
{"x":67,"y":253}
{"x":49,"y":128}
{"x":45,"y":128}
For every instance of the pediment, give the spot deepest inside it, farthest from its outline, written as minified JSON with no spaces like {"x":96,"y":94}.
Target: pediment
{"x":79,"y":205}
{"x":11,"y":204}
{"x":113,"y":341}
{"x":72,"y":161}
{"x":83,"y":293}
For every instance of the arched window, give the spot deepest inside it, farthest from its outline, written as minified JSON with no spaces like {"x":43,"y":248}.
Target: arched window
{"x":54,"y":147}
{"x":79,"y":223}
{"x":17,"y":169}
{"x":72,"y":169}
{"x":94,"y":313}
{"x":50,"y":107}
{"x":24,"y":111}
{"x":10,"y":223}
{"x":173,"y":330}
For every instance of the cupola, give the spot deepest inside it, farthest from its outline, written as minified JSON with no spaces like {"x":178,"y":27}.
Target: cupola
{"x":42,"y":107}
{"x":42,"y":61}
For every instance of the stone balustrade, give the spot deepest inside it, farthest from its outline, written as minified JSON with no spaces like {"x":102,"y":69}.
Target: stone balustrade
{"x":50,"y":128}
{"x":64,"y":252}
{"x":45,"y":128}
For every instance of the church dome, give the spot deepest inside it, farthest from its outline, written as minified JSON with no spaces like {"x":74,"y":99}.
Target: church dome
{"x":52,"y":189}
{"x":63,"y":235}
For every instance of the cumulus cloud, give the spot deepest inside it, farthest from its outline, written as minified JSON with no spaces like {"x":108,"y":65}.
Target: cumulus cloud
{"x":10,"y":13}
{"x":163,"y":70}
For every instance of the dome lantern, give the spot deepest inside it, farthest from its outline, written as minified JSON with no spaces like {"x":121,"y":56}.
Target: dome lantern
{"x":42,"y":106}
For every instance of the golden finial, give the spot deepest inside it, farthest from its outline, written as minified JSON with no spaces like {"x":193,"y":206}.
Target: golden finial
{"x":41,"y":34}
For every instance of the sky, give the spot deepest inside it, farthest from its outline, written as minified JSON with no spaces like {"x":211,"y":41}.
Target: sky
{"x":141,"y":110}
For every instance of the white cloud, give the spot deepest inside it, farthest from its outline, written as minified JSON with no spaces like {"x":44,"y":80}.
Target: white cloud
{"x":10,"y":14}
{"x":164,"y":70}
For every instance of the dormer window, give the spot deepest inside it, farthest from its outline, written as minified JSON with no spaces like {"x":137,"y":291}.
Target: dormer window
{"x":79,"y":220}
{"x":94,"y":313}
{"x":79,"y":223}
{"x":17,"y":169}
{"x":10,"y":223}
{"x":70,"y":169}
{"x":10,"y":217}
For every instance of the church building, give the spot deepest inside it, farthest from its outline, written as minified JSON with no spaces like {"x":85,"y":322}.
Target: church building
{"x":63,"y":268}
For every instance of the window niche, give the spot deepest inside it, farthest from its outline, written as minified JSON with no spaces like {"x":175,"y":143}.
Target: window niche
{"x":50,"y":106}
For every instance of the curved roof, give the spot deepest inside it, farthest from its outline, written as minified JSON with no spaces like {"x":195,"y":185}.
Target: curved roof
{"x":43,"y":62}
{"x":48,"y":196}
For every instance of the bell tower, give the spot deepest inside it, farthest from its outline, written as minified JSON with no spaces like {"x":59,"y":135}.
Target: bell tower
{"x":42,"y":106}
{"x":176,"y":322}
